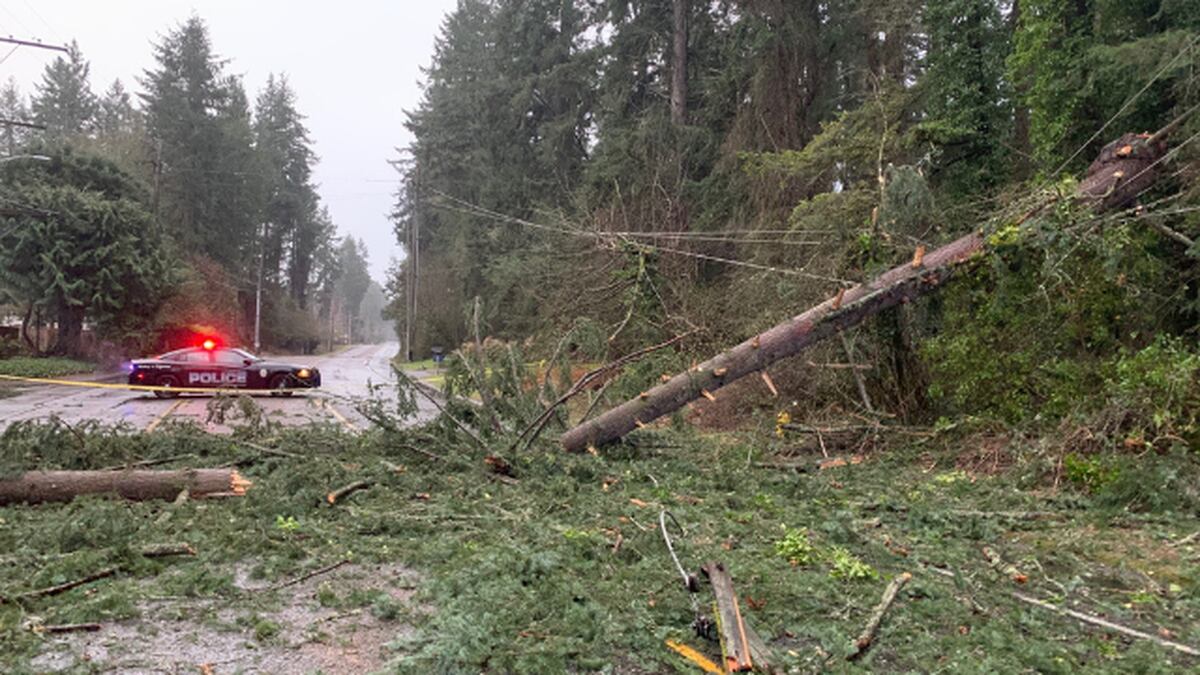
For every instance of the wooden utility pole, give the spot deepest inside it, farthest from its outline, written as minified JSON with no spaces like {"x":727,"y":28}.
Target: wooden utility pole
{"x":679,"y":64}
{"x":32,"y":43}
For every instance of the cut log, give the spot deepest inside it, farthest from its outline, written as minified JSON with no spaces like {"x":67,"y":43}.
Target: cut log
{"x":35,"y":487}
{"x":1114,"y":180}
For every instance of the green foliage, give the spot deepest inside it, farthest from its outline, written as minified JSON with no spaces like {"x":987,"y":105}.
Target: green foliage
{"x":1046,"y":68}
{"x":795,"y":547}
{"x":537,"y":560}
{"x":64,"y":101}
{"x":1159,"y":385}
{"x":848,"y":567}
{"x":1093,"y":473}
{"x":1033,"y":336}
{"x":25,"y":366}
{"x":86,"y":249}
{"x":968,"y":99}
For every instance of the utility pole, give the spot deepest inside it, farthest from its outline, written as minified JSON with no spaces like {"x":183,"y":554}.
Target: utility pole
{"x":157,"y":175}
{"x":258,"y":290}
{"x":32,"y":43}
{"x":411,"y":269}
{"x":416,"y":249}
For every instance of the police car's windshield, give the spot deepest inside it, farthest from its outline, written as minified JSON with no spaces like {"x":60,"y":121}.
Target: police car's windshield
{"x":181,"y":354}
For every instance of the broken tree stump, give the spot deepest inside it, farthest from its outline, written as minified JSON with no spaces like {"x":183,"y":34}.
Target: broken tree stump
{"x":1124,"y":169}
{"x":742,"y":650}
{"x":36,"y":487}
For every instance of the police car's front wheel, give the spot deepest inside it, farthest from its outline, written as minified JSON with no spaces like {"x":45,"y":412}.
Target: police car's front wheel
{"x":282,"y":382}
{"x":167,"y":381}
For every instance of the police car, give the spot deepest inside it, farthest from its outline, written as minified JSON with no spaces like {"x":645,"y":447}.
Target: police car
{"x":213,"y":366}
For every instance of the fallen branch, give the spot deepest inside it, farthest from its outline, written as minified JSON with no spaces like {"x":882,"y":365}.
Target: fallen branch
{"x":167,"y":550}
{"x":420,"y":388}
{"x":151,"y":551}
{"x":343,"y":492}
{"x":63,"y":588}
{"x":423,"y":452}
{"x":305,"y":577}
{"x":1105,"y":623}
{"x":268,"y":450}
{"x":1006,"y":568}
{"x":68,"y":628}
{"x":868,"y":635}
{"x":36,"y":487}
{"x":1009,"y":515}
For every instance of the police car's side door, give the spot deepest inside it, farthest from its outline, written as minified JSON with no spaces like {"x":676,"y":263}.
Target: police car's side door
{"x":232,"y":367}
{"x":199,"y":371}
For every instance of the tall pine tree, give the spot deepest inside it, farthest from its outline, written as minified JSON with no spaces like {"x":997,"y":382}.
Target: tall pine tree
{"x":64,"y":101}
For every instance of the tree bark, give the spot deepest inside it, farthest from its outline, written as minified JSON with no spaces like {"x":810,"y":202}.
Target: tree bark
{"x":70,"y":331}
{"x":850,"y":308}
{"x":1124,"y":169}
{"x":36,"y":487}
{"x":29,"y":341}
{"x":679,"y":63}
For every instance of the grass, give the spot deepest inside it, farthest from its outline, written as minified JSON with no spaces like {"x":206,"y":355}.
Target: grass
{"x":567,"y":572}
{"x":29,"y":366}
{"x":406,"y":366}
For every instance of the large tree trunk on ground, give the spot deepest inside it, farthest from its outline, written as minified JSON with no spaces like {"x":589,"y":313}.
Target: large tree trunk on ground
{"x":35,"y":487}
{"x":679,"y":63}
{"x":1124,"y":169}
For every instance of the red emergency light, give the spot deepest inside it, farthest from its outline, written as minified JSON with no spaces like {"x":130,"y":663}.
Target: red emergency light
{"x":209,"y":344}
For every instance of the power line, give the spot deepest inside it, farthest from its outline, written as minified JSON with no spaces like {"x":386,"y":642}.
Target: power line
{"x":21,"y":123}
{"x":41,"y":18}
{"x":602,"y":236}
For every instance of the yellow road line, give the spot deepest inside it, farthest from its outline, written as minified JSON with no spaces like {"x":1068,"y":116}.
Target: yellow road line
{"x":340,"y":417}
{"x":165,"y":414}
{"x":146,"y":387}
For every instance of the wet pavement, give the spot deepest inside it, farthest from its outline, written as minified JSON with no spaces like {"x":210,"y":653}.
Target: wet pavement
{"x":346,"y":376}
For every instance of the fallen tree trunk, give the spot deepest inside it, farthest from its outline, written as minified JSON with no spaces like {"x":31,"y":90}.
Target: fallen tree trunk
{"x":1124,"y":169}
{"x":35,"y":487}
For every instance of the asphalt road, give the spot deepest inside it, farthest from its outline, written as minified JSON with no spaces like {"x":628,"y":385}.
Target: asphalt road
{"x":345,"y":375}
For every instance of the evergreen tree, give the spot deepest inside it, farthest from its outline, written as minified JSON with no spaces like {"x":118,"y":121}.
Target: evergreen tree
{"x":292,"y":221}
{"x":115,"y":114}
{"x":353,"y":281}
{"x":967,"y":100}
{"x":12,"y":107}
{"x":87,"y":251}
{"x":199,"y":122}
{"x":64,"y":101}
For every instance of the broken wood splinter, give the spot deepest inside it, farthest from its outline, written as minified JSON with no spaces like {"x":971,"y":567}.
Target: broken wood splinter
{"x":766,"y":378}
{"x":918,"y":257}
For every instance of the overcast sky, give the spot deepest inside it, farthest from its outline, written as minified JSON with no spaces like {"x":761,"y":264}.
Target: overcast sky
{"x":355,"y":66}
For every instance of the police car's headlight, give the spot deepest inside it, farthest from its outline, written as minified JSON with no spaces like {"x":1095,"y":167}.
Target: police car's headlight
{"x":304,"y":373}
